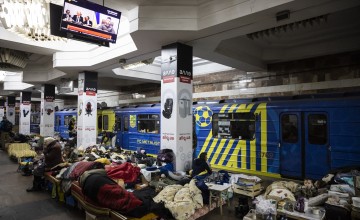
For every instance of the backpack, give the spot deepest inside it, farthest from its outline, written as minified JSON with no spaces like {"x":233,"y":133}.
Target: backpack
{"x":165,"y":155}
{"x":7,"y":126}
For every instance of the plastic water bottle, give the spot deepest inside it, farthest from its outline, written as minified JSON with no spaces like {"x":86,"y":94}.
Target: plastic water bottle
{"x":269,"y":217}
{"x":284,"y":217}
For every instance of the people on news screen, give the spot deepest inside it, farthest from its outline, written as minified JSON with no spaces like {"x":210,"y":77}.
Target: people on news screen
{"x":105,"y":25}
{"x":87,"y":21}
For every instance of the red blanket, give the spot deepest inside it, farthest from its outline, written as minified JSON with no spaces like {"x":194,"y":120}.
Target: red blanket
{"x":116,"y":198}
{"x":125,"y":171}
{"x":83,"y":166}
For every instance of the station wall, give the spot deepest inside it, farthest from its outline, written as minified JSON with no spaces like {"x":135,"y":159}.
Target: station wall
{"x":332,"y":73}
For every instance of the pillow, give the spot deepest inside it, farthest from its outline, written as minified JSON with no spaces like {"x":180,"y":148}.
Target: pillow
{"x":279,"y":194}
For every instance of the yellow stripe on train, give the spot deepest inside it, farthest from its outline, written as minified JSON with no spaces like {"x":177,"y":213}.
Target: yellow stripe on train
{"x":222,"y":145}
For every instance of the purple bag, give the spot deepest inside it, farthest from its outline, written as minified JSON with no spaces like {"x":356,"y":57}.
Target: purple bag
{"x":300,"y":205}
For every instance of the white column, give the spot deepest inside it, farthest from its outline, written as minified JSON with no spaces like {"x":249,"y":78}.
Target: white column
{"x":10,"y":109}
{"x":87,"y":109}
{"x":176,"y":103}
{"x":2,"y":108}
{"x":25,"y":113}
{"x":47,"y":116}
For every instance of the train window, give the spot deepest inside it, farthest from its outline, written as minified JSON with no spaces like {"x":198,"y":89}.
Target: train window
{"x":289,"y":128}
{"x":317,"y":129}
{"x":67,"y":119}
{"x":234,"y":125}
{"x":100,"y":122}
{"x":58,"y":120}
{"x":126,"y":123}
{"x":117,"y":124}
{"x":106,"y":122}
{"x":148,"y":123}
{"x":215,"y":125}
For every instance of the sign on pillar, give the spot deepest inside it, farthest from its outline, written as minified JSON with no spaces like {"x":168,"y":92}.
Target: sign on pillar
{"x":176,"y":103}
{"x":47,"y":110}
{"x":25,"y":112}
{"x":2,"y":110}
{"x":87,"y":109}
{"x":10,"y":109}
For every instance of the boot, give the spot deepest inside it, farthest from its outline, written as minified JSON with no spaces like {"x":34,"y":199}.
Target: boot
{"x":32,"y":189}
{"x":37,"y":184}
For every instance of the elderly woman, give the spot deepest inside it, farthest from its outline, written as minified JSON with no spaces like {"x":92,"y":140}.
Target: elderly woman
{"x":52,"y":157}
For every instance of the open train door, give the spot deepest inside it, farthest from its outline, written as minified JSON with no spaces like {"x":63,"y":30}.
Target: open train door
{"x":317,"y":147}
{"x":291,"y":145}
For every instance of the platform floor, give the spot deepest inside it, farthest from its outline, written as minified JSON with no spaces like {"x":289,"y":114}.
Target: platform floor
{"x":17,"y":204}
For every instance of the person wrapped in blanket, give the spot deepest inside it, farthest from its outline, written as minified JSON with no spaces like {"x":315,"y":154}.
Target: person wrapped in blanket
{"x":52,"y":157}
{"x":98,"y":187}
{"x":201,"y":168}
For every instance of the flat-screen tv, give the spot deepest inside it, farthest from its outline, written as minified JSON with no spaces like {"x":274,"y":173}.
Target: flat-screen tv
{"x":90,"y":20}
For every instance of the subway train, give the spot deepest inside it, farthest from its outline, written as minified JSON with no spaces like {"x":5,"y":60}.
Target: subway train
{"x":105,"y":120}
{"x":298,"y":137}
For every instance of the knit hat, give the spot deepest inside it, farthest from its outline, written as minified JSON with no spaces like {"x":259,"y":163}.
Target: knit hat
{"x":47,"y":141}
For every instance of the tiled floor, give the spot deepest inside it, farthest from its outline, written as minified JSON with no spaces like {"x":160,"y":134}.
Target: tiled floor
{"x":17,"y":204}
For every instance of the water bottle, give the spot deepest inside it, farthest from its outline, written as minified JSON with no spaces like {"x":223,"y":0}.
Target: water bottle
{"x":269,"y":217}
{"x":284,"y":217}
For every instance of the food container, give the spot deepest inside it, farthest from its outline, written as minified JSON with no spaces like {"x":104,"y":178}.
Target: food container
{"x":356,"y":202}
{"x":315,"y":211}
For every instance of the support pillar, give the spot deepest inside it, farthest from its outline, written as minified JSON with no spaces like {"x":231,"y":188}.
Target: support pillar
{"x":2,"y":108}
{"x":176,"y":103}
{"x":10,"y":108}
{"x":87,"y":109}
{"x":25,"y":113}
{"x":47,"y":117}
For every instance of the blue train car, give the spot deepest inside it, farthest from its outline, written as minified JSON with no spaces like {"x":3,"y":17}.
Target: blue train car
{"x":35,"y":123}
{"x":138,"y":127}
{"x":301,"y":138}
{"x":62,"y":119}
{"x":297,"y":137}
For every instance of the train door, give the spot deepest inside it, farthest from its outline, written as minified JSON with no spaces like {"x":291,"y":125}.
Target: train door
{"x":118,"y":130}
{"x":57,"y":123}
{"x":64,"y":128}
{"x":317,"y":148}
{"x":122,"y":133}
{"x":125,"y":131}
{"x":99,"y":123}
{"x":304,"y":148}
{"x":291,"y":145}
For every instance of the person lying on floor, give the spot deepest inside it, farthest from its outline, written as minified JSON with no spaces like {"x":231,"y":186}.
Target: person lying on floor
{"x":97,"y":186}
{"x":52,"y":157}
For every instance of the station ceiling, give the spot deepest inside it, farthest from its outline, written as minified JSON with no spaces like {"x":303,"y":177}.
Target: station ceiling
{"x":241,"y":34}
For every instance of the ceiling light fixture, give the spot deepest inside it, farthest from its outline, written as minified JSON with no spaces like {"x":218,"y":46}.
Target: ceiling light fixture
{"x":288,"y":27}
{"x":2,"y":76}
{"x":137,"y":64}
{"x":29,"y":18}
{"x":13,"y":58}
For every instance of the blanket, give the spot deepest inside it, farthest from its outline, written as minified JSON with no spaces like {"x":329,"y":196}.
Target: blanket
{"x":83,"y":166}
{"x":99,"y":188}
{"x":182,"y":201}
{"x":282,"y":190}
{"x":125,"y":171}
